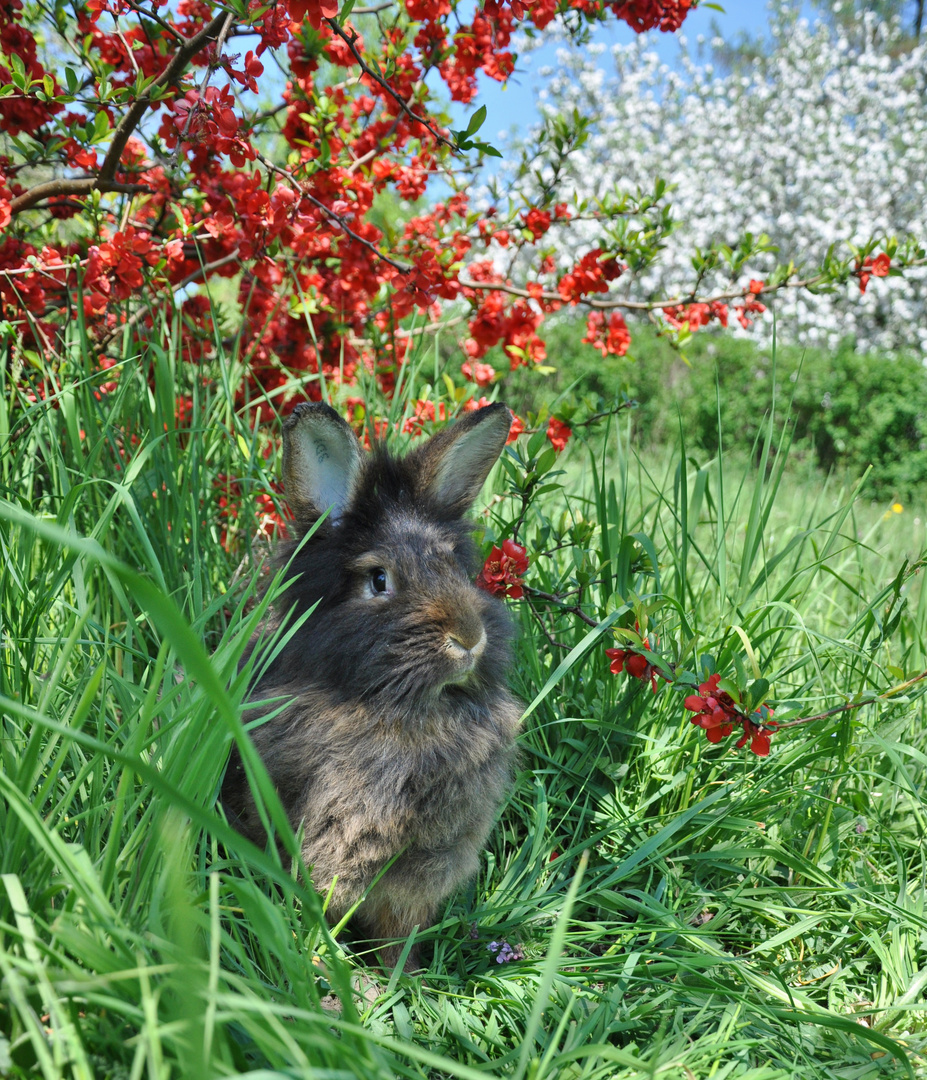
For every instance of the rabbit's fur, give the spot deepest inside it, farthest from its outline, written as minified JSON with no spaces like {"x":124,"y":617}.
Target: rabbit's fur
{"x":399,"y":739}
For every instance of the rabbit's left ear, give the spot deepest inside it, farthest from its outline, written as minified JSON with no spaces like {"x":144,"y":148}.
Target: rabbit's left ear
{"x":454,"y":463}
{"x":321,"y":460}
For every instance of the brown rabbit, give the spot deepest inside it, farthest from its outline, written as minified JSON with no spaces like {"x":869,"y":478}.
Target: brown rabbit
{"x":399,"y":740}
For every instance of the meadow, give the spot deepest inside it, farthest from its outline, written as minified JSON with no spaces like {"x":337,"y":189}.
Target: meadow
{"x":676,"y":909}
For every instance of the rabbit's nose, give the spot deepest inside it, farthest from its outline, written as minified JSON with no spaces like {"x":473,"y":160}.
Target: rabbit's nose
{"x":467,"y":643}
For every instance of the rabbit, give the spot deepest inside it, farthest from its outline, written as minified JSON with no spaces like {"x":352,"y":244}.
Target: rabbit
{"x":398,"y":742}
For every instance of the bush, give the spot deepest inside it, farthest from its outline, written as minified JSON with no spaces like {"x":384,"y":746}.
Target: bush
{"x":849,"y":411}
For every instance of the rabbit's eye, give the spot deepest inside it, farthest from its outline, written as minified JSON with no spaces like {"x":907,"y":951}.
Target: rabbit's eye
{"x":379,"y":582}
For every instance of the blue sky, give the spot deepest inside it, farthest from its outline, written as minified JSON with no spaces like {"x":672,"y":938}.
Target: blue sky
{"x":514,"y":106}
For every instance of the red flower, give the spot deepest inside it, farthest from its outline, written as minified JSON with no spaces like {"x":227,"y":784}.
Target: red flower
{"x":634,"y":663}
{"x":715,"y":709}
{"x":878,"y":266}
{"x":313,"y":10}
{"x":481,"y":374}
{"x":537,"y":221}
{"x":502,"y":572}
{"x":558,"y":433}
{"x":718,"y":714}
{"x":592,"y":273}
{"x":616,"y":341}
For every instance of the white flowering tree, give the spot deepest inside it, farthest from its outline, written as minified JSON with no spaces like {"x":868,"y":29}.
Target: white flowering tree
{"x":798,"y":170}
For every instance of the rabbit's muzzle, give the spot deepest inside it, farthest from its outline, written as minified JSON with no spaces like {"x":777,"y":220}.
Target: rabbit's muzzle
{"x":464,"y":648}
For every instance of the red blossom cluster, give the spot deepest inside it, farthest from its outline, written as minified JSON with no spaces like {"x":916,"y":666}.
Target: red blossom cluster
{"x":504,"y":570}
{"x":718,"y":714}
{"x":872,"y":267}
{"x":592,"y":274}
{"x":716,"y":711}
{"x":635,"y":664}
{"x":640,"y":15}
{"x":500,"y":319}
{"x":611,"y":338}
{"x":558,"y":433}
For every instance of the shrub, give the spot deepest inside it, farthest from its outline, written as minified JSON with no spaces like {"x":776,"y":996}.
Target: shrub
{"x":849,"y":411}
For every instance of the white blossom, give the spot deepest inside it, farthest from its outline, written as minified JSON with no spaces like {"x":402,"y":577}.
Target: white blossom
{"x":820,"y":143}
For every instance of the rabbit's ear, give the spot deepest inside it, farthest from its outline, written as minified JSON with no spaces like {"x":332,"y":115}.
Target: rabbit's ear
{"x":454,"y":463}
{"x":321,"y":459}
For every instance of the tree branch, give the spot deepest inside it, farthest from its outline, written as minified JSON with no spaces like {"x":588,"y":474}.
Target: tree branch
{"x":403,"y":268}
{"x":380,"y":81}
{"x":573,"y":609}
{"x":855,"y":704}
{"x":633,"y":305}
{"x":77,"y":185}
{"x":104,"y":180}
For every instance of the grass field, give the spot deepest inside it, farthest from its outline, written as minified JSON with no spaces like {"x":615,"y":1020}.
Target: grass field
{"x":684,"y":910}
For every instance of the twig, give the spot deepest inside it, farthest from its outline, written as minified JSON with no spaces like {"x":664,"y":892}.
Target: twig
{"x":105,"y":178}
{"x":553,"y":641}
{"x":855,"y":704}
{"x":403,"y":268}
{"x":380,"y":81}
{"x":620,"y":407}
{"x":211,"y":66}
{"x":631,"y":305}
{"x":573,"y":609}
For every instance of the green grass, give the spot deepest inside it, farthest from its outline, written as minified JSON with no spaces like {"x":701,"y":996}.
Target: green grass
{"x":685,"y":910}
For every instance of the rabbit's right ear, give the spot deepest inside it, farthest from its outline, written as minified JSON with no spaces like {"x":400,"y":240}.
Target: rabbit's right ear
{"x":321,"y":460}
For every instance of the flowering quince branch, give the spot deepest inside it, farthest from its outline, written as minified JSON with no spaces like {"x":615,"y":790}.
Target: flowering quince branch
{"x":185,"y":183}
{"x":332,"y":215}
{"x":130,"y":121}
{"x":715,"y":710}
{"x":877,"y":268}
{"x":350,"y":41}
{"x":718,"y":714}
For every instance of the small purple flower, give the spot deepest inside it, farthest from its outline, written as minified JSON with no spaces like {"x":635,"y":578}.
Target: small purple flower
{"x":504,"y":952}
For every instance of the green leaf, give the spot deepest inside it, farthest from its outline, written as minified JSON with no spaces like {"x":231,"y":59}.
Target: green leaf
{"x":476,"y":121}
{"x":101,"y":126}
{"x":757,"y":692}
